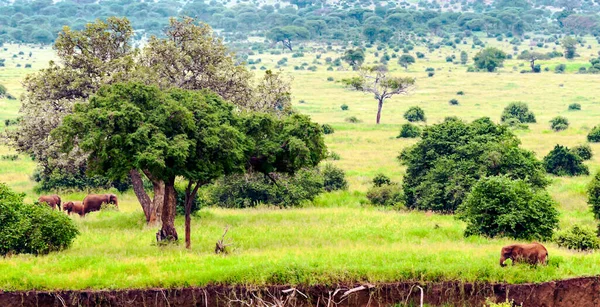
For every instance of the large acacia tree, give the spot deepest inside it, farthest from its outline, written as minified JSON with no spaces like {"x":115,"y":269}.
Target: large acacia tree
{"x":189,"y":57}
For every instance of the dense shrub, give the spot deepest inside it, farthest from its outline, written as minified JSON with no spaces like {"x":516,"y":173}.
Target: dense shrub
{"x":559,"y":123}
{"x":518,"y":110}
{"x":381,"y":180}
{"x":353,"y":120}
{"x":577,"y":238}
{"x":32,"y":228}
{"x":453,"y":102}
{"x":584,"y":151}
{"x":502,"y":207}
{"x":593,"y":191}
{"x":327,"y":129}
{"x":409,"y":131}
{"x":385,"y":195}
{"x":180,"y":204}
{"x":450,"y":157}
{"x":344,"y":107}
{"x":563,"y":162}
{"x":574,"y":107}
{"x":560,"y":68}
{"x":594,"y":135}
{"x":334,"y":178}
{"x":55,"y":179}
{"x":250,"y":190}
{"x":415,"y":114}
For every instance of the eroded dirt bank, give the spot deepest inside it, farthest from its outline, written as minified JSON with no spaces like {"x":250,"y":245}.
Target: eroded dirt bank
{"x":571,"y":292}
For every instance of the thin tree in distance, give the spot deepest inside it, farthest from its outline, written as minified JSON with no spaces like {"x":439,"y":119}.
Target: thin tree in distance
{"x":378,"y":81}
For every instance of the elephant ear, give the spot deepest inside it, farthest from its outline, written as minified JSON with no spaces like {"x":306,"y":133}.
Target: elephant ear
{"x":508,"y":249}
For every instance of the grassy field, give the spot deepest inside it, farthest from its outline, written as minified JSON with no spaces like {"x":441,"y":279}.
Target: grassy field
{"x":338,"y":238}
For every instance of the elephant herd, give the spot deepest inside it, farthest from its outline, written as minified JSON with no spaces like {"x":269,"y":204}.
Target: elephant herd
{"x":92,"y":202}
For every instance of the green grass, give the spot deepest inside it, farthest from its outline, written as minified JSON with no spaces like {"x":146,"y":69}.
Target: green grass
{"x":338,"y":238}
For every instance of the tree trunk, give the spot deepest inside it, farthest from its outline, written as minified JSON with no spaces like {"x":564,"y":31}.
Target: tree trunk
{"x":379,"y":107}
{"x":532,"y":65}
{"x":168,"y":231}
{"x":189,"y":198}
{"x":158,"y":187}
{"x":140,"y":193}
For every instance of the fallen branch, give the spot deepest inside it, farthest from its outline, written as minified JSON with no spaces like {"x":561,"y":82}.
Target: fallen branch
{"x":221,"y":246}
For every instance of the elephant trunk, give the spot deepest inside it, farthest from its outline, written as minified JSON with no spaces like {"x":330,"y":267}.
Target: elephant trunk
{"x":502,"y":260}
{"x":116,"y":202}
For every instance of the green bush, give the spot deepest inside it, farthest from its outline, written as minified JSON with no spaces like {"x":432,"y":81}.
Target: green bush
{"x":385,"y":195}
{"x":334,"y":178}
{"x":520,"y":111}
{"x":327,"y":129}
{"x":451,"y":156}
{"x":453,"y":102}
{"x":409,"y":131}
{"x":574,"y":107}
{"x":32,"y":228}
{"x":381,"y":180}
{"x":577,"y":238}
{"x":594,"y":135}
{"x":415,"y":114}
{"x":344,"y":107}
{"x":559,"y":123}
{"x":593,"y":191}
{"x":584,"y":151}
{"x":353,"y":120}
{"x":560,"y":68}
{"x":180,"y":204}
{"x":3,"y":90}
{"x":502,"y":207}
{"x":250,"y":190}
{"x":563,"y":162}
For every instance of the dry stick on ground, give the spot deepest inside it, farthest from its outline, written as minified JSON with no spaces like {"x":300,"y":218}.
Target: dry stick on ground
{"x":221,"y":247}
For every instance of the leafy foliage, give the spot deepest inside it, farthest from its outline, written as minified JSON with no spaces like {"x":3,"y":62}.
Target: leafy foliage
{"x":594,"y":135}
{"x":519,"y":111}
{"x":574,"y":107}
{"x":584,"y":151}
{"x":452,"y":156}
{"x":409,"y":131}
{"x":593,"y":192}
{"x":334,"y":178}
{"x":577,"y":238}
{"x":559,"y":123}
{"x":381,"y":180}
{"x":563,"y":162}
{"x":385,"y":195}
{"x":489,"y":59}
{"x":415,"y":114}
{"x":252,"y":189}
{"x":32,"y":228}
{"x":499,"y":206}
{"x":327,"y":129}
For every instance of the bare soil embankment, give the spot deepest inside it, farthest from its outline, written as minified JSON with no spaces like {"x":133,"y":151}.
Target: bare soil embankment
{"x":571,"y":292}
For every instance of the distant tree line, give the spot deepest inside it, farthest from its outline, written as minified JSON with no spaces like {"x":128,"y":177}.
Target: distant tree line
{"x":40,"y":21}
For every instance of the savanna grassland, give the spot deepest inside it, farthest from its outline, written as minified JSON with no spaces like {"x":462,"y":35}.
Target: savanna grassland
{"x":339,"y":237}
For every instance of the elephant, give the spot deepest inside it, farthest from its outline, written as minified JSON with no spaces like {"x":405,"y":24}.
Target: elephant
{"x":74,"y":206}
{"x":93,"y":202}
{"x":533,"y":253}
{"x":51,"y":200}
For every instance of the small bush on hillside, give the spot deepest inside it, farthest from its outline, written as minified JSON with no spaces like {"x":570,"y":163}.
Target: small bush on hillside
{"x":593,"y":192}
{"x":381,"y":180}
{"x":32,"y":228}
{"x":344,"y":107}
{"x":327,"y":129}
{"x":516,"y":124}
{"x":460,"y":93}
{"x":430,"y":74}
{"x":559,"y":123}
{"x":334,"y":178}
{"x":520,"y":111}
{"x":502,"y":207}
{"x":584,"y":151}
{"x":250,"y":190}
{"x":560,"y":68}
{"x":453,"y":102}
{"x":333,"y":156}
{"x":385,"y":195}
{"x":594,"y":135}
{"x":329,"y":79}
{"x":563,"y":162}
{"x":574,"y":107}
{"x":409,"y":131}
{"x":353,"y":120}
{"x":577,"y":238}
{"x":415,"y":114}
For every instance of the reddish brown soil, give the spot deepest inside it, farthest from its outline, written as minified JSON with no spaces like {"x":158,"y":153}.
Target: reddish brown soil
{"x":571,"y":292}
